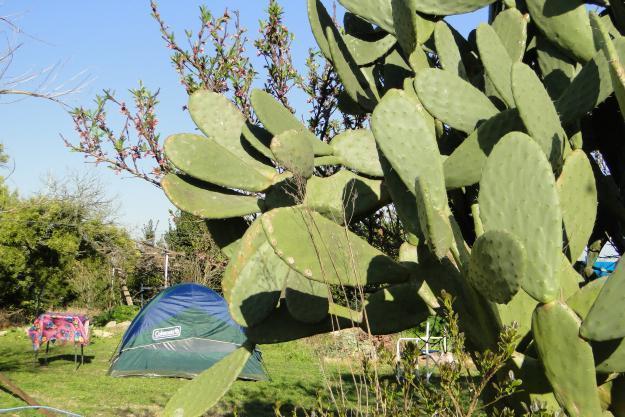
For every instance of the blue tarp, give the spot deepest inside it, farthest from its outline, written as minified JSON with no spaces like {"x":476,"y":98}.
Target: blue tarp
{"x":604,"y":268}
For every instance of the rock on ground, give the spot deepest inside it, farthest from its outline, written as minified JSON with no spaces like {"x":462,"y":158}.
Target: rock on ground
{"x":102,"y":333}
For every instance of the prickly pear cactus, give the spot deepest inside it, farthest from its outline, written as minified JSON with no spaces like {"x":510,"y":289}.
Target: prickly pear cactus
{"x":521,"y":123}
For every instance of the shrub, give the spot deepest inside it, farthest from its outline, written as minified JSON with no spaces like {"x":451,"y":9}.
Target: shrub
{"x":117,"y":313}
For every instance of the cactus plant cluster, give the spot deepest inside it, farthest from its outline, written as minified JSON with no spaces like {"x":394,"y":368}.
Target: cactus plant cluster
{"x":480,"y":147}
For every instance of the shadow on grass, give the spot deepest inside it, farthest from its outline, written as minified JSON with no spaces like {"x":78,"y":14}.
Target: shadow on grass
{"x":256,"y":401}
{"x":259,"y":408}
{"x":134,"y":413}
{"x":69,"y":357}
{"x":11,"y":366}
{"x":352,"y":390}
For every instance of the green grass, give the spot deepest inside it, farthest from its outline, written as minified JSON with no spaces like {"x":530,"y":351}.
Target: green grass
{"x":295,"y":375}
{"x":296,"y":380}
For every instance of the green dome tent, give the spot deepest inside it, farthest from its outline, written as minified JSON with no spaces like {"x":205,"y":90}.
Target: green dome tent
{"x":181,"y":332}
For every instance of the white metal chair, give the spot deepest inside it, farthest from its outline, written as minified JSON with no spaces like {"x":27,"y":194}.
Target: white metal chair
{"x":427,"y":346}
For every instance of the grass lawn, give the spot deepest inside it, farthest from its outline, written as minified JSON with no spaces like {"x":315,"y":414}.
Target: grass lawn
{"x":293,"y":367}
{"x":296,"y":376}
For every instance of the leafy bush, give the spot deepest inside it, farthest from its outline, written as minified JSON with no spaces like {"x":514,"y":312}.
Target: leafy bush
{"x":437,"y":327}
{"x":58,"y":247}
{"x":117,"y":313}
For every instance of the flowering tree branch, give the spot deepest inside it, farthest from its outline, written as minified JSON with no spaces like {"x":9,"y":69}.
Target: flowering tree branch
{"x":137,"y":139}
{"x":214,"y":58}
{"x":274,"y":45}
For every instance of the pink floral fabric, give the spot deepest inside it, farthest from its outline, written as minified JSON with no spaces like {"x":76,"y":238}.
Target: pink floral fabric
{"x":60,"y":328}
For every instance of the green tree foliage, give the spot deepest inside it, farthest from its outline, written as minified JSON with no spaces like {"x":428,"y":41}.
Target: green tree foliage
{"x":195,"y":257}
{"x":4,"y":190}
{"x":57,"y":248}
{"x":4,"y":158}
{"x":149,"y":269}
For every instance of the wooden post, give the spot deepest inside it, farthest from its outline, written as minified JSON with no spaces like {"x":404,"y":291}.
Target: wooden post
{"x":166,"y":268}
{"x":126,"y":293}
{"x":17,"y":391}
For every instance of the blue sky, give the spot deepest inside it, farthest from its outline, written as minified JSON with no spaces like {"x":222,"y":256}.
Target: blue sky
{"x":116,"y":43}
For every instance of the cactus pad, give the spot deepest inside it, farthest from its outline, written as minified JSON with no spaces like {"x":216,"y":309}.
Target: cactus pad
{"x":498,"y":265}
{"x":306,"y":300}
{"x":565,"y":23}
{"x":464,"y":166}
{"x":606,"y":319}
{"x":220,"y":120}
{"x":408,"y":88}
{"x":323,"y":251}
{"x":518,"y":310}
{"x":408,"y":142}
{"x":578,"y":200}
{"x":418,"y":60}
{"x":556,"y":333}
{"x":581,"y":302}
{"x":570,"y":279}
{"x":531,"y":213}
{"x":497,"y":63}
{"x":511,"y":26}
{"x":538,"y":113}
{"x":288,"y":192}
{"x":206,"y":160}
{"x":343,"y":196}
{"x":366,"y":51}
{"x":434,"y":221}
{"x":255,"y":290}
{"x":408,"y":257}
{"x":205,"y":105}
{"x":535,"y":383}
{"x":294,"y":152}
{"x":356,"y":150}
{"x":394,"y":308}
{"x":277,"y":119}
{"x":403,"y":199}
{"x":557,"y":68}
{"x":327,"y":160}
{"x":319,"y":19}
{"x":609,"y":356}
{"x":452,"y":100}
{"x":395,"y":70}
{"x":378,"y":12}
{"x":450,"y":7}
{"x":349,"y":106}
{"x":617,"y":71}
{"x":254,"y":279}
{"x":530,"y":370}
{"x":411,"y":28}
{"x":206,"y":200}
{"x":251,"y":241}
{"x":193,"y":399}
{"x":590,"y":87}
{"x":258,"y":138}
{"x":357,"y":26}
{"x":448,"y":50}
{"x":227,"y":233}
{"x":354,"y":80}
{"x":281,"y":327}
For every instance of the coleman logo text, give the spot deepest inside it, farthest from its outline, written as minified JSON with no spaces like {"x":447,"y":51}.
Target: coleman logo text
{"x":166,"y":333}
